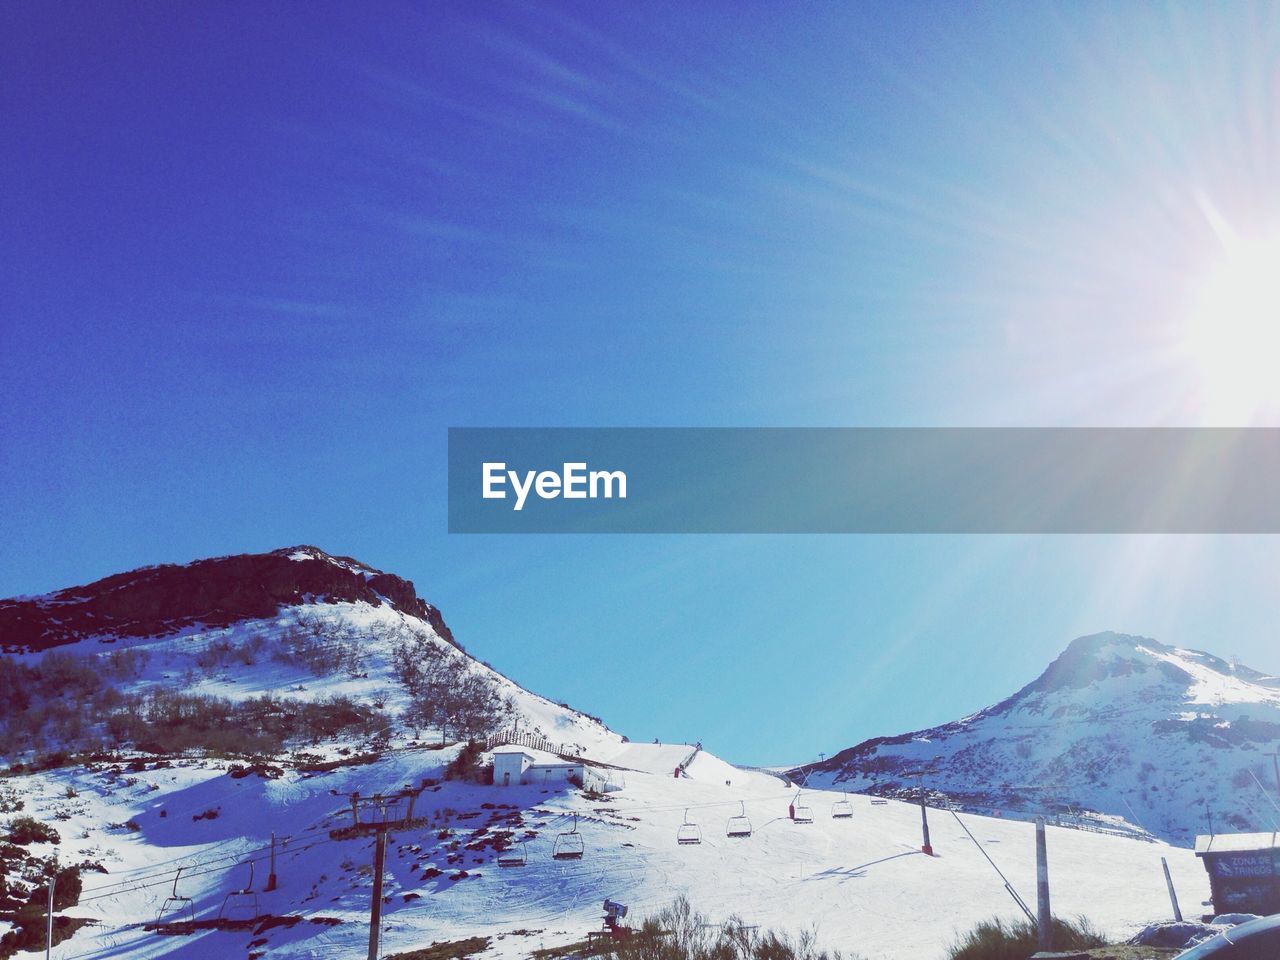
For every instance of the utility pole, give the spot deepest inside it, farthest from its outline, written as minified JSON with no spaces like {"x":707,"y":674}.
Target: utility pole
{"x":48,"y":942}
{"x":1275,"y":762}
{"x":1044,"y":915}
{"x":375,"y":906}
{"x":926,"y":847}
{"x":271,"y":875}
{"x":378,"y":807}
{"x":1173,"y":896}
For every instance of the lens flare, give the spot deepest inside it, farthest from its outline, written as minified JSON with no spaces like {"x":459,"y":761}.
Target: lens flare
{"x":1234,"y":331}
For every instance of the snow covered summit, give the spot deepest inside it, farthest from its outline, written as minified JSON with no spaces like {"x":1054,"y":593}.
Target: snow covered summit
{"x":158,"y":600}
{"x":1117,"y":725}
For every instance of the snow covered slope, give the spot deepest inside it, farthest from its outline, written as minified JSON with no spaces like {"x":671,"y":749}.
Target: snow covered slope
{"x":295,"y":622}
{"x":860,"y":882}
{"x":297,"y":628}
{"x":1124,"y":726}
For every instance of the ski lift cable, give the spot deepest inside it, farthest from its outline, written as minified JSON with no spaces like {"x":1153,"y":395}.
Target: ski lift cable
{"x":237,"y":856}
{"x":192,"y":863}
{"x":193,"y":869}
{"x":1258,"y":817}
{"x":1264,"y":792}
{"x":1022,"y":904}
{"x":1133,"y":813}
{"x":710,"y":804}
{"x":131,"y":884}
{"x":161,"y":863}
{"x":163,"y":881}
{"x":195,"y":873}
{"x":188,"y":865}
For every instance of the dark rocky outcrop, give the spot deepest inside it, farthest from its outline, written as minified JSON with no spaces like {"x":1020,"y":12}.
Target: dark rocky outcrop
{"x":220,"y":591}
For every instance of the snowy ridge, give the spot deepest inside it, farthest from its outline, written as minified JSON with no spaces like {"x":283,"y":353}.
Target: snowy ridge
{"x":1134,"y":731}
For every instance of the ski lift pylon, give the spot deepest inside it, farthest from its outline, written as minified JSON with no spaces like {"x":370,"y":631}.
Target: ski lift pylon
{"x":569,"y":845}
{"x":738,"y":826}
{"x":246,"y":895}
{"x":842,"y":809}
{"x":689,"y":832}
{"x":176,"y":902}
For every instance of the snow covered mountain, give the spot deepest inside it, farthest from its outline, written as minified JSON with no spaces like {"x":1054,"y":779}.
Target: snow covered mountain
{"x":295,"y":624}
{"x":159,"y":600}
{"x":1118,"y":725}
{"x":191,"y":742}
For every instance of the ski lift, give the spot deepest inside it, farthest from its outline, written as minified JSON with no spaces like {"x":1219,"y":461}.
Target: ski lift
{"x":689,"y":832}
{"x":514,"y":856}
{"x":842,"y":809}
{"x":800,"y":813}
{"x":738,"y":826}
{"x":569,"y":845}
{"x":177,"y":903}
{"x":878,"y":801}
{"x":239,"y":896}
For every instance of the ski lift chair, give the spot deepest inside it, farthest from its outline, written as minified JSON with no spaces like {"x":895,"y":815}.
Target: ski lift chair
{"x":176,"y":903}
{"x":238,"y":897}
{"x":569,"y":845}
{"x":842,"y":809}
{"x":738,"y":826}
{"x":514,"y":856}
{"x":800,"y":813}
{"x":689,"y":832}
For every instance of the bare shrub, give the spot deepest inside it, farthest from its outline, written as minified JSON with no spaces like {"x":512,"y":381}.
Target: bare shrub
{"x":446,"y":691}
{"x":996,"y":939}
{"x":679,"y":932}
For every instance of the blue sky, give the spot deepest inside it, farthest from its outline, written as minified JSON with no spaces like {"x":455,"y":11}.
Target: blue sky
{"x":258,"y":257}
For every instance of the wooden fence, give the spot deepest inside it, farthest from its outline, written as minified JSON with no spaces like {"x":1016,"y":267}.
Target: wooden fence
{"x":535,"y":741}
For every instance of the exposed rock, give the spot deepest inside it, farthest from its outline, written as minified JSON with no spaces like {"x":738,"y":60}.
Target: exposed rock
{"x":216,"y":592}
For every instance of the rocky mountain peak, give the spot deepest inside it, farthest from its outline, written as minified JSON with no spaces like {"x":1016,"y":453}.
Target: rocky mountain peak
{"x":160,"y":600}
{"x":1120,"y":725}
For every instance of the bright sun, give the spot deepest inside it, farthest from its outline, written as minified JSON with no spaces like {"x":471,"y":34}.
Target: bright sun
{"x":1234,"y":332}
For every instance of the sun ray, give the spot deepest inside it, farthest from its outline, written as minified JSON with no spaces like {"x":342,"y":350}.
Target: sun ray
{"x":1232,"y":329}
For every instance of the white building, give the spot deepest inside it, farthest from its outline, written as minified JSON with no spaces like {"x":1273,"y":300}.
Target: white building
{"x":513,"y":764}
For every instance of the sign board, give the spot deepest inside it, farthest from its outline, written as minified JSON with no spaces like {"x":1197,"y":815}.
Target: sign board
{"x":1257,"y":863}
